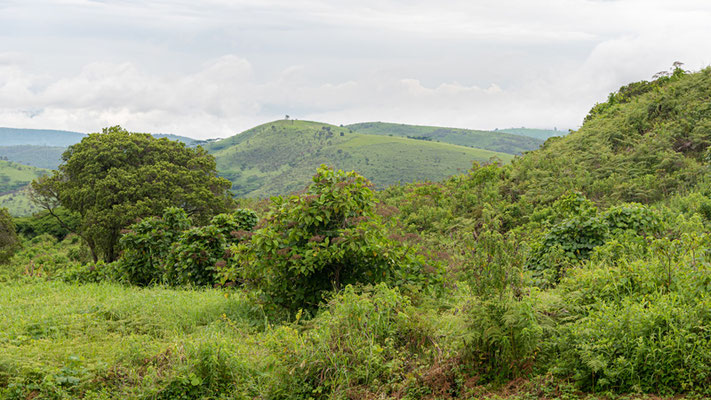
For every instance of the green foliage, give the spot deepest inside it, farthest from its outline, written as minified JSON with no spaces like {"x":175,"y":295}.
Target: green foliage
{"x":321,"y":240}
{"x":640,"y":323}
{"x":44,"y":223}
{"x":356,"y":346}
{"x":113,"y":178}
{"x":168,"y":250}
{"x":146,"y":246}
{"x":9,"y":242}
{"x":504,"y":335}
{"x":45,"y":257}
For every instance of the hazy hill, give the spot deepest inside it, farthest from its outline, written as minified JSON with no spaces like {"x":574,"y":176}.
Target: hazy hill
{"x":43,"y":148}
{"x":37,"y":156}
{"x":280,"y":157}
{"x":38,"y":137}
{"x":495,"y":141}
{"x":541,"y":134}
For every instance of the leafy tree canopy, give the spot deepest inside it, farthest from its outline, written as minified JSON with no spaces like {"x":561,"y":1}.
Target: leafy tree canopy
{"x":115,"y":177}
{"x":9,"y":241}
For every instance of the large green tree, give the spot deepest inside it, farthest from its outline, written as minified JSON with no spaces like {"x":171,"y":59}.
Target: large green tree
{"x":114,"y":178}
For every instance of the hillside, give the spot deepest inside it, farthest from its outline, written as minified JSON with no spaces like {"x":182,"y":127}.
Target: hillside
{"x":487,"y":140}
{"x":13,"y":176}
{"x":541,"y":134}
{"x":648,"y":141}
{"x":281,"y":156}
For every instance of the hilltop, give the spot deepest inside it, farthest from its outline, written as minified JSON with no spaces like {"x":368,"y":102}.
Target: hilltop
{"x":279,"y":157}
{"x":487,"y":140}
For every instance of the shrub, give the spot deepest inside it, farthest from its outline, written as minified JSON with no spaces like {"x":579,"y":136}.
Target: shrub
{"x":321,"y":240}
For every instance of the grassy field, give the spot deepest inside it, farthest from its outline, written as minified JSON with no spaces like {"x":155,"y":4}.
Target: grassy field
{"x":280,"y":157}
{"x":18,"y":203}
{"x":486,"y":140}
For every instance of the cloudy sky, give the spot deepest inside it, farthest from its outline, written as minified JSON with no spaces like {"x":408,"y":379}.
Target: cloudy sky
{"x":212,"y":68}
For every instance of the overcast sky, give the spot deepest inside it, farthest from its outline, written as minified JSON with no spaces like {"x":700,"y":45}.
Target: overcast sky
{"x":212,"y":68}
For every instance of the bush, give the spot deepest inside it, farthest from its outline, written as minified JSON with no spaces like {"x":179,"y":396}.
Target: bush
{"x":321,"y":240}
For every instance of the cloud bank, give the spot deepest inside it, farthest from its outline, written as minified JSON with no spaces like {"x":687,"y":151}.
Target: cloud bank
{"x":214,"y":68}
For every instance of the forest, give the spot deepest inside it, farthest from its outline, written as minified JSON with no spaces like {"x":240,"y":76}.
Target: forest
{"x":579,"y":270}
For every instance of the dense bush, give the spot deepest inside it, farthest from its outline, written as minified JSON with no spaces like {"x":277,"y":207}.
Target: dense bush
{"x":168,"y":250}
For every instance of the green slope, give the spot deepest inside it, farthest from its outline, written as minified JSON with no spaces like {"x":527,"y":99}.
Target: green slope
{"x":487,"y":140}
{"x":541,"y":134}
{"x":647,"y":142}
{"x":281,"y":156}
{"x":38,"y":137}
{"x":18,"y":203}
{"x":14,"y":176}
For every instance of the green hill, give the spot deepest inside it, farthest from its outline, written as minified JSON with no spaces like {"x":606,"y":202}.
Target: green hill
{"x":281,"y":156}
{"x":486,"y":140}
{"x":18,"y":203}
{"x":37,"y":156}
{"x":541,"y":134}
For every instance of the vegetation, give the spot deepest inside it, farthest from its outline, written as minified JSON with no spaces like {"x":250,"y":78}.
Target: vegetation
{"x":112,"y":178}
{"x":501,"y":141}
{"x":47,"y":157}
{"x":9,"y":241}
{"x":560,"y":275}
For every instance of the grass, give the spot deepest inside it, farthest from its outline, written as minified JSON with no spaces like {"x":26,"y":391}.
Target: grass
{"x":13,"y":176}
{"x":487,"y":140}
{"x":18,"y":203}
{"x":281,"y":156}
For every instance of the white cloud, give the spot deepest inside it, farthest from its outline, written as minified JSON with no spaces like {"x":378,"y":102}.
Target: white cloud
{"x":216,"y":67}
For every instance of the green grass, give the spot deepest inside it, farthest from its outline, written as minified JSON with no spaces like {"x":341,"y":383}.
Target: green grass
{"x":281,"y":156}
{"x":486,"y":140}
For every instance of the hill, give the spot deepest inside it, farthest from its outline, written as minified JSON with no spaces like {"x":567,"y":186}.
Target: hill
{"x":37,"y":156}
{"x":38,"y":137}
{"x":541,"y":134}
{"x":487,"y":140}
{"x":648,"y":141}
{"x":281,"y":156}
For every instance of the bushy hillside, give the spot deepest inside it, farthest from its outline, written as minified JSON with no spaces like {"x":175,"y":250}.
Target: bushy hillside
{"x":648,"y":141}
{"x":280,"y":157}
{"x":487,"y":140}
{"x":47,"y":157}
{"x":541,"y":134}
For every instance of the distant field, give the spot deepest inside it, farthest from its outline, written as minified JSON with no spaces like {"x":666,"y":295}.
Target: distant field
{"x":18,"y":203}
{"x":487,"y":140}
{"x":281,"y":156}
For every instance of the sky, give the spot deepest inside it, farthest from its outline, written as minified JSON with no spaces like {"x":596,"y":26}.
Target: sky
{"x":213,"y":68}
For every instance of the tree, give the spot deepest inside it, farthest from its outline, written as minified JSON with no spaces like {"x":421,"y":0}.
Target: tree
{"x":114,"y":178}
{"x":9,"y":242}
